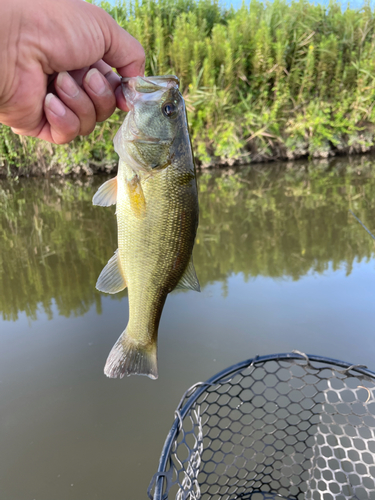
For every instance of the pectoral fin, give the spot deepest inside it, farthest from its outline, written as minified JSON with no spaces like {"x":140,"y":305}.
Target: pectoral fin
{"x":111,"y":279}
{"x":189,"y":280}
{"x":106,"y":195}
{"x":136,"y":197}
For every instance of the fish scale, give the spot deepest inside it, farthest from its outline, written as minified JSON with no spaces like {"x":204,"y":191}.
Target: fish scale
{"x":157,"y":217}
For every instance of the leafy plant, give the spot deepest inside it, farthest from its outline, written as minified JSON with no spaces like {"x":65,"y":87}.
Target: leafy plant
{"x":266,"y":80}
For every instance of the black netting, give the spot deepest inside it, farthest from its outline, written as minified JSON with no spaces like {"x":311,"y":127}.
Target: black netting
{"x":286,"y":426}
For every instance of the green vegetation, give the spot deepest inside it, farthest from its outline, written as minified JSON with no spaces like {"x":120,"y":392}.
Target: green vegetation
{"x":281,"y":79}
{"x":279,"y":222}
{"x":285,"y":222}
{"x":50,"y":250}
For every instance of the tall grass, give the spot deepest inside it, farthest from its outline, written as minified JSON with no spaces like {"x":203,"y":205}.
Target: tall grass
{"x":279,"y":79}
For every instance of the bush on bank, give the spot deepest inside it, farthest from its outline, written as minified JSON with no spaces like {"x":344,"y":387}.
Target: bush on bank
{"x":264,"y":81}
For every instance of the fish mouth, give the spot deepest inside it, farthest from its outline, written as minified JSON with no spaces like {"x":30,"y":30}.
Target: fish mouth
{"x":146,"y":84}
{"x":151,"y":87}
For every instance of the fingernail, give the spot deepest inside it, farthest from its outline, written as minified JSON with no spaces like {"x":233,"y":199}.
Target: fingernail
{"x":94,"y":80}
{"x":67,"y":84}
{"x":55,"y":105}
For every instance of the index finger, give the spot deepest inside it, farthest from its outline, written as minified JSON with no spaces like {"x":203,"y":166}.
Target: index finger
{"x":114,"y":81}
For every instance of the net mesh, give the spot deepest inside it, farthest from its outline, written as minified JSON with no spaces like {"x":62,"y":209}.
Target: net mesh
{"x":290,"y":426}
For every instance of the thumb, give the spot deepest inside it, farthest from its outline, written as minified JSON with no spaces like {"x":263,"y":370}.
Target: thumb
{"x":122,"y":51}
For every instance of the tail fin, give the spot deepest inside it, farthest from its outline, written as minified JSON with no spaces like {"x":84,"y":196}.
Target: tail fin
{"x":128,"y":357}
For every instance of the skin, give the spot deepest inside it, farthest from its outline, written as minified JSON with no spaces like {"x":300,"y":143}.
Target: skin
{"x":57,"y":58}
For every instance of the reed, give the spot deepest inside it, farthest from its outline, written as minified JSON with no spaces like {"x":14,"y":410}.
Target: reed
{"x":264,"y":81}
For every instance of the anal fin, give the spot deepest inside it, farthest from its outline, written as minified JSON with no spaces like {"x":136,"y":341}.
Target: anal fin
{"x":189,"y":280}
{"x":106,"y":195}
{"x":111,"y":279}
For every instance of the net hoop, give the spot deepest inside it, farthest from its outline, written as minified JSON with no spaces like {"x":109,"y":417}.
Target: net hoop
{"x":162,"y":480}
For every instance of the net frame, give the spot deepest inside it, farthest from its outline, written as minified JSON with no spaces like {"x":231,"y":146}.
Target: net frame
{"x":314,"y":466}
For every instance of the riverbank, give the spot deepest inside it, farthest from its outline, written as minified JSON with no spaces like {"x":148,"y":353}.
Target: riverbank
{"x":340,"y":164}
{"x":45,"y":160}
{"x":264,"y":82}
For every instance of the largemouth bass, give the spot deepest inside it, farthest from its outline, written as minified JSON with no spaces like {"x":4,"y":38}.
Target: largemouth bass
{"x":157,"y":217}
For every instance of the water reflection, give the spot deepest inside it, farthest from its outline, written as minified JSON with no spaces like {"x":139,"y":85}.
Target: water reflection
{"x":69,"y":433}
{"x":278,"y":224}
{"x":272,"y":221}
{"x":52,"y":246}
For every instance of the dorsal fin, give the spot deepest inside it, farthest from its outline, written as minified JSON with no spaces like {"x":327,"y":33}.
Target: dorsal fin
{"x":189,"y":280}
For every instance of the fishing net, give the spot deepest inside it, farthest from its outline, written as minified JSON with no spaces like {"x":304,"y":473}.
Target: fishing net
{"x":286,"y":426}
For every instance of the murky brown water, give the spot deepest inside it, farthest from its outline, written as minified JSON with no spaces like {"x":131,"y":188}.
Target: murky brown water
{"x":282,"y":263}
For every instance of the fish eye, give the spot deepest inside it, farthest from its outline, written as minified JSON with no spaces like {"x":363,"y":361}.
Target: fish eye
{"x":169,"y":110}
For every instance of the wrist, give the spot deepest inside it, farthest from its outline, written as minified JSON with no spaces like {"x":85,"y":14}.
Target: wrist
{"x":10,"y":24}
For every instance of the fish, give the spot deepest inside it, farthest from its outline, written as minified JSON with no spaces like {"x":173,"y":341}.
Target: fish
{"x":156,"y":197}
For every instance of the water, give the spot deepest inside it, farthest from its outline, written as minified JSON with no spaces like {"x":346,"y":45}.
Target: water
{"x":282,"y":263}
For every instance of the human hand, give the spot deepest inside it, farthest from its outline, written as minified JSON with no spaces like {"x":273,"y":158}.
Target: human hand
{"x":67,"y":47}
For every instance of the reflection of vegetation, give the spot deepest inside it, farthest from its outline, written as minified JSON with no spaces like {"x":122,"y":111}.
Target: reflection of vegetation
{"x":284,"y":224}
{"x":275,"y":222}
{"x":53,"y":244}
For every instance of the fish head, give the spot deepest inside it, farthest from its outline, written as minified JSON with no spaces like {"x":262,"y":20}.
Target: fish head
{"x":157,"y":113}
